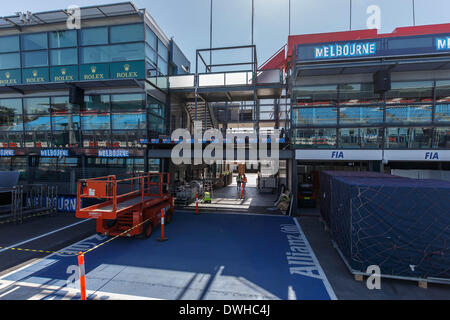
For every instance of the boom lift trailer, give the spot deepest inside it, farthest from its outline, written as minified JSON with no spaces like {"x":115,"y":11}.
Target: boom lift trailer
{"x":141,"y":198}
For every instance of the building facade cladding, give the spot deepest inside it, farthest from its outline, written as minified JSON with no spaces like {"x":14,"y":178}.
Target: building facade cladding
{"x":129,"y":57}
{"x":339,"y":110}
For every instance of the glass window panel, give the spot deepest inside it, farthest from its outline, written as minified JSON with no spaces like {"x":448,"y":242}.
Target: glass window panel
{"x":127,"y":33}
{"x":155,"y":107}
{"x":408,"y":114}
{"x":96,"y":102}
{"x":96,"y":121}
{"x":442,"y":113}
{"x":63,"y":39}
{"x":443,"y":91}
{"x":316,"y":95}
{"x":63,"y":57}
{"x":36,"y":105}
{"x":66,"y":122}
{"x":94,"y":36}
{"x":35,"y":59}
{"x":10,"y":121}
{"x":360,"y":137}
{"x":315,"y":138}
{"x":361,"y":115}
{"x":129,"y":121}
{"x":95,"y":54}
{"x":359,"y":93}
{"x":60,"y":104}
{"x":156,"y":124}
{"x":9,"y":61}
{"x":150,"y":54}
{"x":163,"y":51}
{"x":9,"y":44}
{"x":150,"y":37}
{"x":11,"y":106}
{"x":313,"y":116}
{"x":442,"y":138}
{"x":124,"y":102}
{"x":127,"y":52}
{"x":37,"y":122}
{"x":408,"y":138}
{"x":35,"y":41}
{"x":407,"y":92}
{"x":162,"y":66}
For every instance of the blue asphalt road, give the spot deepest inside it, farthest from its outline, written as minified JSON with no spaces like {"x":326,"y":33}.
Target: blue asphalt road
{"x":207,"y":256}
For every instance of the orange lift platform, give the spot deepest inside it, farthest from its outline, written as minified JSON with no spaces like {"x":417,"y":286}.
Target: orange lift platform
{"x":124,"y":204}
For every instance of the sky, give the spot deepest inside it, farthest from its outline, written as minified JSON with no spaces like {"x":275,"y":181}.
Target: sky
{"x":188,"y":21}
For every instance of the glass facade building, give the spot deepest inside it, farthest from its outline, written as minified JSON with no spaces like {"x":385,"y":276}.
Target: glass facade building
{"x":121,"y":62}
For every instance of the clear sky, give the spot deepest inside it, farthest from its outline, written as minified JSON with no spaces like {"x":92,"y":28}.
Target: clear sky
{"x":188,"y":20}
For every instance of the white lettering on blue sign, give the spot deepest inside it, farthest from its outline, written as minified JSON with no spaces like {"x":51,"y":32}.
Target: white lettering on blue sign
{"x":54,"y":153}
{"x":6,"y":153}
{"x":443,"y":43}
{"x":345,"y":50}
{"x":116,"y":153}
{"x":431,"y":156}
{"x":337,"y":155}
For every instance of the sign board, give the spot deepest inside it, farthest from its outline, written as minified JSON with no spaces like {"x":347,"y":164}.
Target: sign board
{"x":6,"y":153}
{"x":417,"y":155}
{"x":339,"y":155}
{"x":381,"y":47}
{"x":54,"y":153}
{"x":64,"y":74}
{"x":35,"y":75}
{"x":115,"y":153}
{"x":98,"y":71}
{"x":128,"y":70}
{"x":10,"y":77}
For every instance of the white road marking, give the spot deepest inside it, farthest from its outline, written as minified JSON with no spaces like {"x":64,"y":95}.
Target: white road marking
{"x":15,"y":245}
{"x":325,"y":279}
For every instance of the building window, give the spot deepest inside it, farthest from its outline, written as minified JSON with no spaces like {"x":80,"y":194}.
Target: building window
{"x":127,"y":52}
{"x":409,"y":114}
{"x":150,"y":54}
{"x":97,"y":121}
{"x":162,"y":67}
{"x":150,"y":37}
{"x":357,"y":93}
{"x":9,"y":61}
{"x":155,"y":107}
{"x":129,"y":121}
{"x":316,"y":95}
{"x":93,"y":36}
{"x":443,"y":91}
{"x":95,"y":54}
{"x":63,"y":39}
{"x":126,"y":102}
{"x":127,"y":33}
{"x":10,"y":114}
{"x":315,"y":116}
{"x":9,"y":44}
{"x":36,"y":105}
{"x":408,"y":138}
{"x":34,"y":41}
{"x":360,"y":138}
{"x":35,"y":59}
{"x":100,"y":103}
{"x":63,"y":57}
{"x":442,"y":138}
{"x":442,"y":113}
{"x":410,"y":92}
{"x":315,"y":138}
{"x":361,"y":115}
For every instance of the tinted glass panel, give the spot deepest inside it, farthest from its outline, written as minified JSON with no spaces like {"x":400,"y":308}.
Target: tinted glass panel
{"x":443,"y":91}
{"x":128,"y":121}
{"x":360,"y":137}
{"x":123,"y":102}
{"x":316,"y":95}
{"x":150,"y":54}
{"x":96,"y":121}
{"x":156,"y":124}
{"x":95,"y":54}
{"x":315,"y":116}
{"x":418,"y":138}
{"x":9,"y":44}
{"x":10,"y":111}
{"x":408,"y":114}
{"x":127,"y":33}
{"x":442,"y":138}
{"x":13,"y":106}
{"x":442,"y":113}
{"x":126,"y":52}
{"x":35,"y":59}
{"x":9,"y":61}
{"x":96,"y":103}
{"x":162,"y":67}
{"x":150,"y":37}
{"x":163,"y":51}
{"x":63,"y":39}
{"x":94,"y":36}
{"x":36,"y":105}
{"x":60,"y":104}
{"x":407,"y":92}
{"x":35,"y":41}
{"x":155,"y":107}
{"x":359,"y":93}
{"x":361,"y":115}
{"x":63,"y":57}
{"x":34,"y":122}
{"x":315,"y":138}
{"x":66,"y":122}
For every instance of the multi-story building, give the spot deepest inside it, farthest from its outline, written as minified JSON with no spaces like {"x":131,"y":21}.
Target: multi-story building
{"x":117,"y":63}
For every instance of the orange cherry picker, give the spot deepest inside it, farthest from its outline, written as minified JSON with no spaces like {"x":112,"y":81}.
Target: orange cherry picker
{"x":133,"y":204}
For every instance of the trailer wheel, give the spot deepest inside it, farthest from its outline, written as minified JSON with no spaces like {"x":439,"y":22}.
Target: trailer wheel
{"x":147,"y":230}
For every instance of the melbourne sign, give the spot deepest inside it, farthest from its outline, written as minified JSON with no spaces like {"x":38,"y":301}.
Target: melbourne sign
{"x":345,"y":50}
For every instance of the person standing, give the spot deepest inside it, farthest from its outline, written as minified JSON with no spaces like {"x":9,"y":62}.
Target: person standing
{"x":238,"y":181}
{"x":244,"y":181}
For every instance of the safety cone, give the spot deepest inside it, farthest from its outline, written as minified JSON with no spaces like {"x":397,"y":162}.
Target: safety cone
{"x":162,"y":238}
{"x":82,"y":275}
